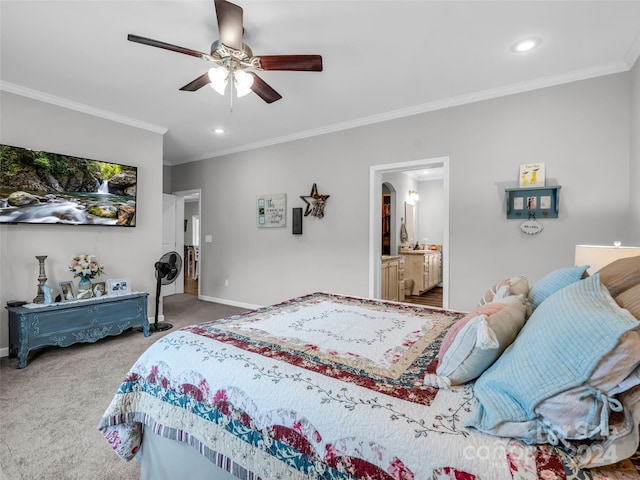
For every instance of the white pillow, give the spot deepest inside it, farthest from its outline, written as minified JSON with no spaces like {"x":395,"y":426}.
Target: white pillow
{"x":474,"y":342}
{"x":510,"y":286}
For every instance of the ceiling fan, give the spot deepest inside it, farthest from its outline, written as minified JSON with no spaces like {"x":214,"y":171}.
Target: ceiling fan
{"x":233,"y":58}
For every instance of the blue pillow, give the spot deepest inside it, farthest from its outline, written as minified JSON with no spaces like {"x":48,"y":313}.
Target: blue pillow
{"x":559,"y":347}
{"x":554,"y":281}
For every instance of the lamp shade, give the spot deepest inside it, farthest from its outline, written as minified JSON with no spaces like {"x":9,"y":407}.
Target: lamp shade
{"x":597,"y":256}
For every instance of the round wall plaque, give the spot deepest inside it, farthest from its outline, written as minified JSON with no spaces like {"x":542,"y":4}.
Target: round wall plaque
{"x":531,"y":227}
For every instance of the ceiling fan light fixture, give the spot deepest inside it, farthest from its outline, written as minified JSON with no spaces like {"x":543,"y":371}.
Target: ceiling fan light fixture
{"x":243,"y":82}
{"x":219,"y":78}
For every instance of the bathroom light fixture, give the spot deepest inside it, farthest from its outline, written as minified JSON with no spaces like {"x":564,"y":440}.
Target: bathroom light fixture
{"x":413,"y":195}
{"x":526,"y":45}
{"x":218,"y":131}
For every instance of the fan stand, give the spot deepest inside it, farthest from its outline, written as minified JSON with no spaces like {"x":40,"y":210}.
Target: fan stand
{"x":160,"y":326}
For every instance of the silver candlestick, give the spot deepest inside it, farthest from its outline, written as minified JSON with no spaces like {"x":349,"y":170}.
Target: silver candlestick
{"x":42,"y":278}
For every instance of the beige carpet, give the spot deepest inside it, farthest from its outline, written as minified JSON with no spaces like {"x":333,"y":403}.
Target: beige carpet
{"x":49,"y":411}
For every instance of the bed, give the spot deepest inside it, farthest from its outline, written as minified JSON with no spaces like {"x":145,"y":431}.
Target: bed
{"x":339,"y":387}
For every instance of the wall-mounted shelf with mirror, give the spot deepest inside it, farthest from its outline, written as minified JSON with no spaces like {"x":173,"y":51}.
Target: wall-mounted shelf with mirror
{"x":540,"y":202}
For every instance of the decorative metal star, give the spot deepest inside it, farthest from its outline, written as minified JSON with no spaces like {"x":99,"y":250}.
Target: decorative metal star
{"x":315,"y":207}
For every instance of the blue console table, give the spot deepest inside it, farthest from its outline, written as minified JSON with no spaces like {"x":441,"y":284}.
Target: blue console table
{"x":63,"y":324}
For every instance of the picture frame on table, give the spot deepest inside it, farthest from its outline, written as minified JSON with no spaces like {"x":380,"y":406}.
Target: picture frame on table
{"x":84,"y":293}
{"x":67,"y":293}
{"x":118,"y":286}
{"x":99,"y":289}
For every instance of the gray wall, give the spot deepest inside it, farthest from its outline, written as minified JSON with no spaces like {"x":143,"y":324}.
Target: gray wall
{"x":41,"y":126}
{"x":581,"y":131}
{"x":431,"y":212}
{"x":634,"y":177}
{"x":190,"y":209}
{"x":166,"y":179}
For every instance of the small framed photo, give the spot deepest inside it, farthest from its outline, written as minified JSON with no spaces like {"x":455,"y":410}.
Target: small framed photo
{"x":67,"y":292}
{"x":99,"y":289}
{"x":532,"y":203}
{"x":545,"y":202}
{"x":84,"y":293}
{"x":118,"y":286}
{"x":518,"y":203}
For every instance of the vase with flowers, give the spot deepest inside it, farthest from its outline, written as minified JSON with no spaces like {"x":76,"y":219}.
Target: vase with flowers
{"x":85,"y":267}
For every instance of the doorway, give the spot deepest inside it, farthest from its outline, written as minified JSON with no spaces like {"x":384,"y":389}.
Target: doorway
{"x":191,"y":232}
{"x":388,"y":218}
{"x":376,"y":173}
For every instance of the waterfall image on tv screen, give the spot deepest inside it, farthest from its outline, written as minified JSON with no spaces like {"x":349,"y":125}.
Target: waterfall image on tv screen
{"x":44,"y":187}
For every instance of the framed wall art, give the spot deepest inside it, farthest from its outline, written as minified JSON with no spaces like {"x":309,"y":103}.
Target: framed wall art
{"x":271,"y":210}
{"x":536,"y":202}
{"x":532,"y":175}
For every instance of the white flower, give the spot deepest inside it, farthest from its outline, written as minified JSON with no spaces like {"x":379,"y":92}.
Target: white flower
{"x":86,"y":266}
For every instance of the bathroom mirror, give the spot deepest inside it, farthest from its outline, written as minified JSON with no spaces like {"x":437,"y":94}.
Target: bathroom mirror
{"x":410,"y":222}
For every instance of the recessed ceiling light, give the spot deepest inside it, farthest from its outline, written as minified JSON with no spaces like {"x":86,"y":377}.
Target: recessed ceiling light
{"x":218,"y":131}
{"x":526,"y":45}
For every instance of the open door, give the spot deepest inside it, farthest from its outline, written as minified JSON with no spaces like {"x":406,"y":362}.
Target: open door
{"x":172,"y":236}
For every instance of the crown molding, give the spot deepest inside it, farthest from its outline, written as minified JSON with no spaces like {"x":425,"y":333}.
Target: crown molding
{"x":79,"y":107}
{"x":550,"y":81}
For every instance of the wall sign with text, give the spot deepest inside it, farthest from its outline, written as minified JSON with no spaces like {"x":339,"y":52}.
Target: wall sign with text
{"x":272,"y":210}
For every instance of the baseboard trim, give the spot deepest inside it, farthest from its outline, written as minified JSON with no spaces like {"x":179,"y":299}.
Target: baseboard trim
{"x":233,"y":303}
{"x":4,"y":352}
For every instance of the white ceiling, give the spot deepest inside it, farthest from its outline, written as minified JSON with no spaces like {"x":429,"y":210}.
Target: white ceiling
{"x":382,"y":60}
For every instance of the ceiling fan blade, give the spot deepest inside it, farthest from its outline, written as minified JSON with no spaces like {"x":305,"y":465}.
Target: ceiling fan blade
{"x":166,"y":46}
{"x":263,"y":90}
{"x":198,"y":83}
{"x":230,"y":27}
{"x":307,"y":63}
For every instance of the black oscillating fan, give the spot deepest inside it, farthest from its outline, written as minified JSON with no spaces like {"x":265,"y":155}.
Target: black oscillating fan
{"x":167,"y":270}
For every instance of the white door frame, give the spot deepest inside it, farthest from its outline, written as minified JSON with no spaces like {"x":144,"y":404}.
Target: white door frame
{"x":186,"y":193}
{"x":375,"y":221}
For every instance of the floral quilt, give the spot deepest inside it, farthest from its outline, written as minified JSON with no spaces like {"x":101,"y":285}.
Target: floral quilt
{"x":321,"y":386}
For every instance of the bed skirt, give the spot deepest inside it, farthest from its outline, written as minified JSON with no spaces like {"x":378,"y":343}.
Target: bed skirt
{"x":164,"y":459}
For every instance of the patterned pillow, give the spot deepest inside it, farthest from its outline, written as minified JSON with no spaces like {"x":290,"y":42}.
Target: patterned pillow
{"x":559,"y":378}
{"x":554,"y":281}
{"x":474,"y":342}
{"x":510,"y":286}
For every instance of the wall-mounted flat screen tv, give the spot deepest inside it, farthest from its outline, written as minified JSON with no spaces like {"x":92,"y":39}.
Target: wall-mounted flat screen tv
{"x":50,"y":188}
